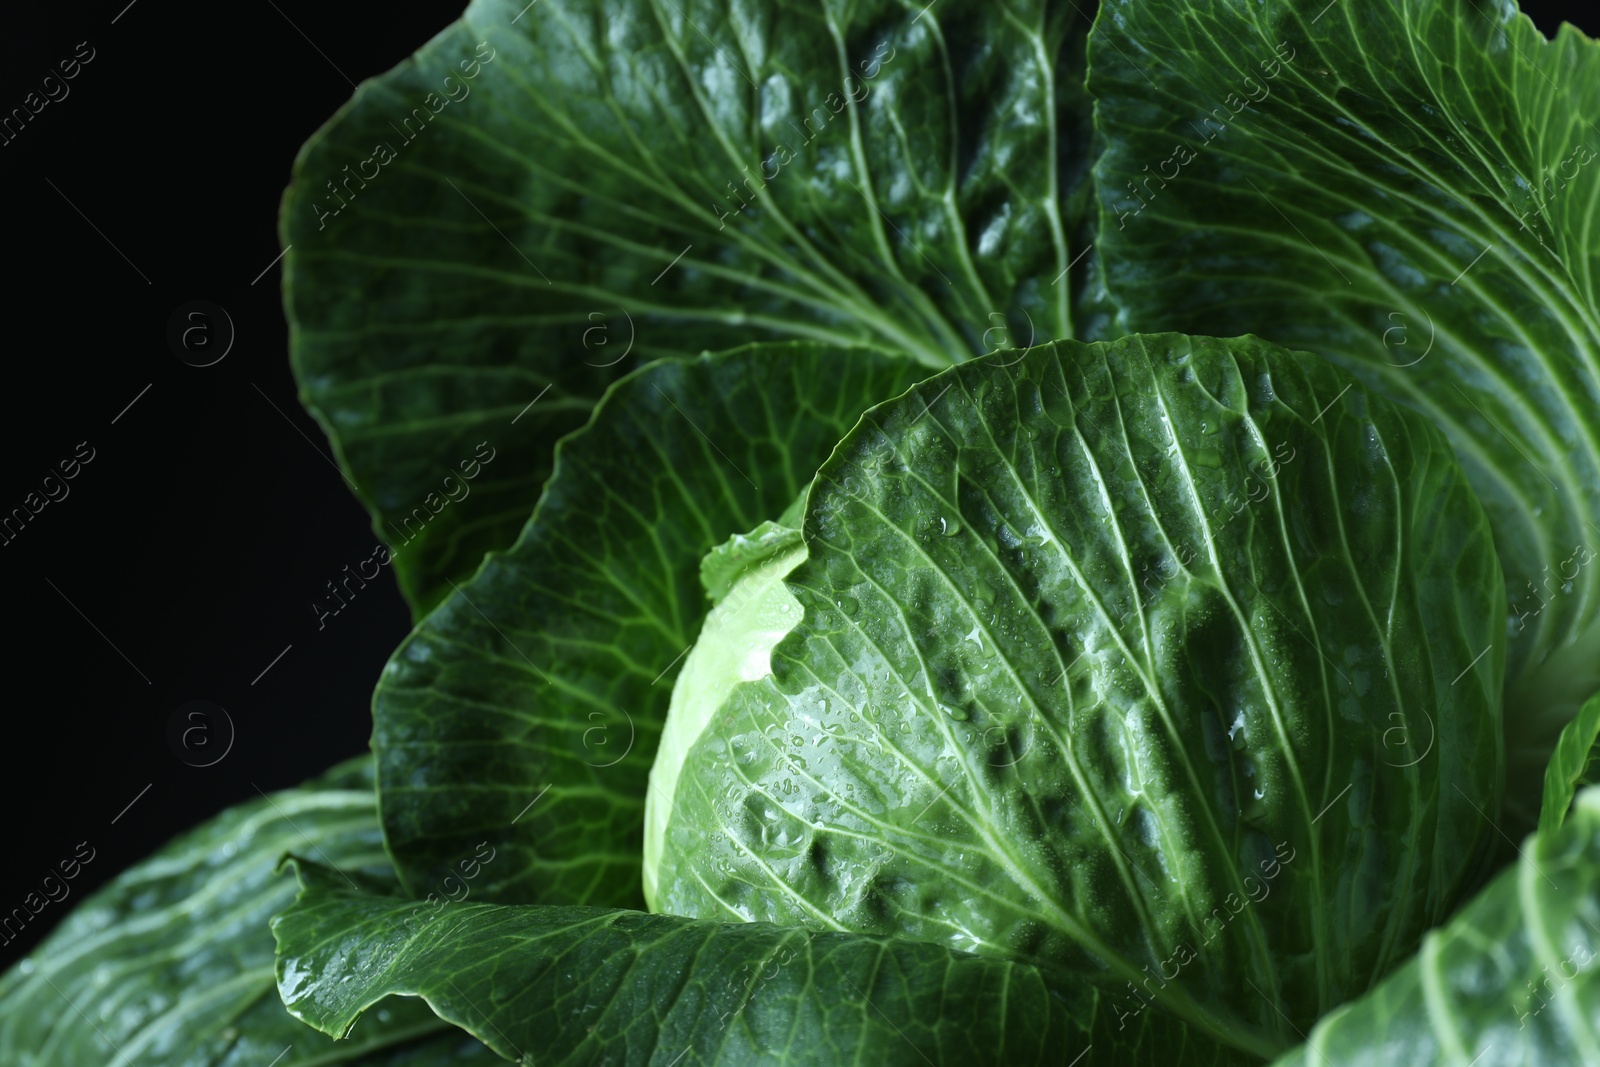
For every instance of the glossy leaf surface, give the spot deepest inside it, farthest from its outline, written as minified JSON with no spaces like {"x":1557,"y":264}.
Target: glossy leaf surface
{"x":1407,"y":188}
{"x":526,"y":709}
{"x":171,"y":964}
{"x":572,"y":985}
{"x":543,"y":198}
{"x":1173,"y":656}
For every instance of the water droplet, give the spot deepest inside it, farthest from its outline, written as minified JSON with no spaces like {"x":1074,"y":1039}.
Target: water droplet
{"x":949,"y":527}
{"x":958,"y":714}
{"x":849,"y":605}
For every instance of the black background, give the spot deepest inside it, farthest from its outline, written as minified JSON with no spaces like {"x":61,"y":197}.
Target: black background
{"x":188,"y":552}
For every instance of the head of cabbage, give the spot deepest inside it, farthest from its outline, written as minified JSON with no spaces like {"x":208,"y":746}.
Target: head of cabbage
{"x":1172,"y":663}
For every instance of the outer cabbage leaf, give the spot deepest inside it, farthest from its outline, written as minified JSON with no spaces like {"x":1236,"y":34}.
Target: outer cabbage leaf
{"x":1571,"y":765}
{"x":1174,"y":657}
{"x":170,"y":965}
{"x":575,"y":985}
{"x":526,"y":709}
{"x":1408,"y":189}
{"x":1512,"y":980}
{"x":487,"y":228}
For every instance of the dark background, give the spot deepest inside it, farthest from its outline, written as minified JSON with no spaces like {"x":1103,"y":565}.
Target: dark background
{"x":187,"y":554}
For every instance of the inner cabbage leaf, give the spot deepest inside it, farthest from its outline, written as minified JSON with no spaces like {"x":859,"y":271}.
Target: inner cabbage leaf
{"x":753,"y":611}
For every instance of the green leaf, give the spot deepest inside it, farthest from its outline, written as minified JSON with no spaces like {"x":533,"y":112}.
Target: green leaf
{"x":526,"y":709}
{"x":916,"y":180}
{"x":1411,"y":194}
{"x":736,"y":557}
{"x":577,"y":985}
{"x":1173,"y":657}
{"x":1571,"y":765}
{"x":1512,"y":980}
{"x":753,"y":610}
{"x":170,"y":964}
